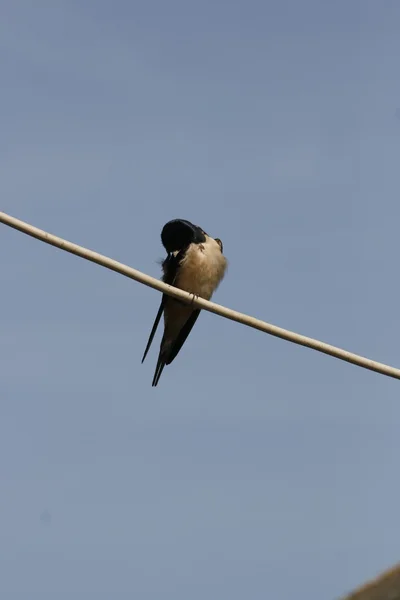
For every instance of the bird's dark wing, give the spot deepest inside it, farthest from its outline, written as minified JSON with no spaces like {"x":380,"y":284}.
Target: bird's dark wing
{"x":166,"y":357}
{"x":183,"y":334}
{"x":178,"y":234}
{"x":170,"y":267}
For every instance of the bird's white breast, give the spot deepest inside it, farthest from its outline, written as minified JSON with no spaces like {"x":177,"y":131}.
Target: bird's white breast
{"x":202,"y":269}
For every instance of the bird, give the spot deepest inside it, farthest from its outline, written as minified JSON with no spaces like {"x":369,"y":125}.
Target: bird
{"x":195,"y":263}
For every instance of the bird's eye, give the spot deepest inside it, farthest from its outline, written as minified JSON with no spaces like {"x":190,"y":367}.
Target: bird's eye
{"x":219,"y":243}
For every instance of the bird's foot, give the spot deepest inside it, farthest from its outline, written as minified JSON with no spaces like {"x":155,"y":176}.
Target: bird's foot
{"x":194,"y":298}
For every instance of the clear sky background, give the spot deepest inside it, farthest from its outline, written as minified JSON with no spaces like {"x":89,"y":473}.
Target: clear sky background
{"x":257,"y":469}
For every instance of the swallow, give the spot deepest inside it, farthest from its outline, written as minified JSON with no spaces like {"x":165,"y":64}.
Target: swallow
{"x":194,"y":263}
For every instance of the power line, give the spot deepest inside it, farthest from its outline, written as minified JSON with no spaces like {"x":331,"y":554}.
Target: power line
{"x":386,"y":585}
{"x":222,"y":311}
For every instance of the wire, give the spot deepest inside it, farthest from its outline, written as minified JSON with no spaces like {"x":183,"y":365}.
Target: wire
{"x":386,"y":585}
{"x":197,"y":302}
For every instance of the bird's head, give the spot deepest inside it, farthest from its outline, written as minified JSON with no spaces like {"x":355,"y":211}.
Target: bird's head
{"x":179,"y":233}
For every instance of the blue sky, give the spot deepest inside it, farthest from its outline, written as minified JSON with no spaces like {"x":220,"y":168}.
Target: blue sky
{"x":257,"y":468}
